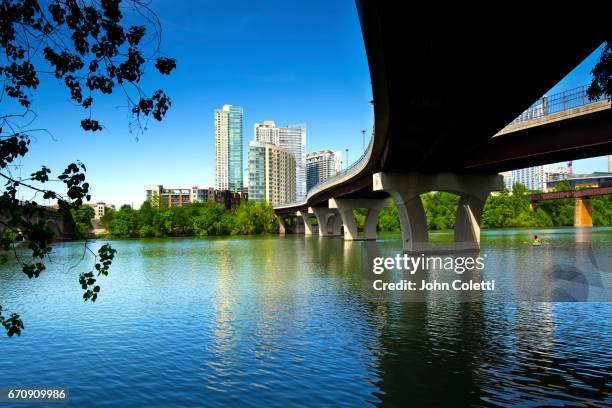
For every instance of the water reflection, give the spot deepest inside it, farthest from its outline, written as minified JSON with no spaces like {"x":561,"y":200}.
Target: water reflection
{"x":293,"y":321}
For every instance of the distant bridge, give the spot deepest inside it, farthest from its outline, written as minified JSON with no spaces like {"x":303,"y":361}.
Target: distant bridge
{"x":62,"y":226}
{"x":582,"y":210}
{"x":441,"y":126}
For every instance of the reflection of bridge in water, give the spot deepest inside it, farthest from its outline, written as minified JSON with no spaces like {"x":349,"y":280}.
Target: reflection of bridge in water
{"x":435,"y":131}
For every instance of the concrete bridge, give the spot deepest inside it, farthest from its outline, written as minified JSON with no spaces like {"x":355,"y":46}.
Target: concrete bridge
{"x":62,"y":225}
{"x":449,"y":107}
{"x":582,"y":209}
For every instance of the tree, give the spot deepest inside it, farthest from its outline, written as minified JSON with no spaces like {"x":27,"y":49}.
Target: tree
{"x":601,"y":84}
{"x":82,"y":217}
{"x":563,"y":185}
{"x":388,"y":218}
{"x":255,"y":218}
{"x":124,"y":223}
{"x":87,"y":48}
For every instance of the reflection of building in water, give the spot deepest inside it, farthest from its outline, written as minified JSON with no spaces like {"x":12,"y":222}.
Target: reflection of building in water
{"x":224,"y":330}
{"x":350,"y":255}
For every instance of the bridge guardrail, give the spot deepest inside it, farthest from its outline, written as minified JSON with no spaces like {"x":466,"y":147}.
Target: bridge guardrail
{"x":330,"y":181}
{"x":547,"y":105}
{"x":555,"y":103}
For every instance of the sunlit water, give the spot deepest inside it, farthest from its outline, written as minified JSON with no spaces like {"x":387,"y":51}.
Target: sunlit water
{"x":289,"y":321}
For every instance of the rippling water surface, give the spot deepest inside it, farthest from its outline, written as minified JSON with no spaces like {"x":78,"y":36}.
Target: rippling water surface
{"x":288,"y":321}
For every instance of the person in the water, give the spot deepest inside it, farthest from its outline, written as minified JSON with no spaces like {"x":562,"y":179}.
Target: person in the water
{"x":536,"y":240}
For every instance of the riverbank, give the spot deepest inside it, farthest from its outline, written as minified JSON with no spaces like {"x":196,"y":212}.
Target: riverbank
{"x":504,"y":210}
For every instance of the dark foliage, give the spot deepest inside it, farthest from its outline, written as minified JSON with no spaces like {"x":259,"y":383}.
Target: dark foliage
{"x":86,"y":47}
{"x":601,"y":85}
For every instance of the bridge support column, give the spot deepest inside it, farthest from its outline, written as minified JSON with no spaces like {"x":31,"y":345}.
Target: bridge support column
{"x":299,"y":225}
{"x":406,"y":189}
{"x":283,"y":226}
{"x":336,"y":225}
{"x":582,"y":213}
{"x":324,"y":217}
{"x":345,"y":208}
{"x":308,"y":227}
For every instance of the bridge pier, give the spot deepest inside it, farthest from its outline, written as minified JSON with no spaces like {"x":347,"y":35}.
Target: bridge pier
{"x":345,"y":207}
{"x":309,"y":229}
{"x":299,"y":226}
{"x":325,"y":216}
{"x":583,"y":213}
{"x":406,"y":190}
{"x":283,"y":226}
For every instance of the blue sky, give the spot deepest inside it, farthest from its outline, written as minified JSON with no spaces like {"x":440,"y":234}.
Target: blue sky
{"x":292,"y":62}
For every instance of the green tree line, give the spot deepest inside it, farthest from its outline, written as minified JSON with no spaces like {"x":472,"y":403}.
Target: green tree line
{"x":200,"y":220}
{"x":503,"y":210}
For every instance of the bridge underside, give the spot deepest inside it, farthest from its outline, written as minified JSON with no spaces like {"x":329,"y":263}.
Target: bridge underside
{"x":442,"y":91}
{"x":573,"y":138}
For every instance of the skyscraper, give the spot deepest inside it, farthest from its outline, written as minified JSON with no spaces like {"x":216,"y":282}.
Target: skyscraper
{"x":507,"y":176}
{"x":292,"y":138}
{"x":271,"y":173}
{"x":322,"y":165}
{"x":534,"y":178}
{"x":228,"y":148}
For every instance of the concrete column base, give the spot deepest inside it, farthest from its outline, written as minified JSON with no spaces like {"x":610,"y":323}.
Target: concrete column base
{"x":283,"y":227}
{"x":327,"y":220}
{"x":299,"y":226}
{"x":308,"y":227}
{"x":336,"y":225}
{"x":345,"y":208}
{"x":406,"y":189}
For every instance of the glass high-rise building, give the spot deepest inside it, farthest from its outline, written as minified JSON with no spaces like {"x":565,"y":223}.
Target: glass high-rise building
{"x":292,"y":138}
{"x":322,"y":165}
{"x":228,"y":148}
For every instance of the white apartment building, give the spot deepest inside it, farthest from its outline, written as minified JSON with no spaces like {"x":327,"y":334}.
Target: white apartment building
{"x":322,"y":165}
{"x":271,"y":173}
{"x":534,"y":178}
{"x":507,"y":175}
{"x":292,"y":138}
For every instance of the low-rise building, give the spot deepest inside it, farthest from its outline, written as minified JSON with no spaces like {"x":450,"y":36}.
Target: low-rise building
{"x":560,"y":173}
{"x":100,"y":209}
{"x":180,"y":197}
{"x":580,"y":181}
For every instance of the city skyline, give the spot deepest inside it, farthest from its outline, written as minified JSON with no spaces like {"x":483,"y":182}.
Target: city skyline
{"x":331,"y":81}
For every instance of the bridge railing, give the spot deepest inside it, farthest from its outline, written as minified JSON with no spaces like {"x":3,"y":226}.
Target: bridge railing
{"x":338,"y":176}
{"x":555,"y":103}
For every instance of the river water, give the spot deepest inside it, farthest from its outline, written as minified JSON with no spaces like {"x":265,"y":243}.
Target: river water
{"x":291,"y":321}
